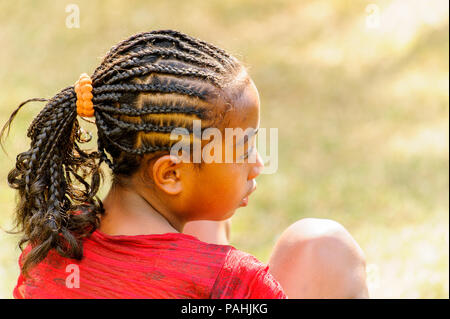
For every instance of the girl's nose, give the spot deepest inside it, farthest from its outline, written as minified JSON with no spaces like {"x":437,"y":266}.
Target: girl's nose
{"x":256,"y":167}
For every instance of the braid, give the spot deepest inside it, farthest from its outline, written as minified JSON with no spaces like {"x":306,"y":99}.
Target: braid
{"x":136,"y":57}
{"x":107,"y":97}
{"x":65,"y":95}
{"x":53,"y":142}
{"x":213,"y":51}
{"x":150,"y":38}
{"x":129,"y":111}
{"x":149,"y":149}
{"x":194,"y":42}
{"x":46,"y":137}
{"x":161,"y":68}
{"x":173,"y":87}
{"x":146,"y":127}
{"x":47,"y":194}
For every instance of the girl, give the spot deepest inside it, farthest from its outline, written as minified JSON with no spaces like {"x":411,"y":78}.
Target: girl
{"x":130,"y":244}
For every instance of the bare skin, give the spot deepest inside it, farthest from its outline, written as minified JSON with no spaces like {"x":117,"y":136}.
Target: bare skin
{"x":318,"y":258}
{"x":165,"y":194}
{"x":210,"y":231}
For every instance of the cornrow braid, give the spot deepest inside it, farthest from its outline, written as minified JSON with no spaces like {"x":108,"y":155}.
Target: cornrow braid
{"x":145,"y":127}
{"x":165,"y":69}
{"x":215,"y":52}
{"x":49,"y":134}
{"x":129,"y":150}
{"x":145,"y":87}
{"x":151,"y":38}
{"x":185,"y":52}
{"x":150,"y":87}
{"x":144,"y":55}
{"x":193,"y":41}
{"x":129,"y":111}
{"x":107,"y":97}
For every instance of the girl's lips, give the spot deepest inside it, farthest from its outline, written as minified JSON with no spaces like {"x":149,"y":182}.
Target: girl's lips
{"x":244,"y":201}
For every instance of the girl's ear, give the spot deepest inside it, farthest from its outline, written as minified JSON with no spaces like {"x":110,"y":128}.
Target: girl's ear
{"x":167,"y":174}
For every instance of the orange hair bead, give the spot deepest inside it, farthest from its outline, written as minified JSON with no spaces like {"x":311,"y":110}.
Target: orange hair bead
{"x":83,"y":89}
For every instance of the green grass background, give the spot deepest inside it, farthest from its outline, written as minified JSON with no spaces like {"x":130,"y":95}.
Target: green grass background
{"x":362,"y":115}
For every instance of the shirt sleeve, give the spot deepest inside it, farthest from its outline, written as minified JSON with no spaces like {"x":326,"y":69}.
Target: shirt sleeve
{"x":245,"y":277}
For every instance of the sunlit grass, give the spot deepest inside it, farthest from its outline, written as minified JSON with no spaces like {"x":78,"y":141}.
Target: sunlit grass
{"x":362,"y":115}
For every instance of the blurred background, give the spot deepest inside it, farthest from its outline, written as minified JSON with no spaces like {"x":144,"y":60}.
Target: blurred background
{"x":358,"y":90}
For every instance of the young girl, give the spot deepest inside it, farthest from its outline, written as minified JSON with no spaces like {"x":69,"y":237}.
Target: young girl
{"x":130,"y":244}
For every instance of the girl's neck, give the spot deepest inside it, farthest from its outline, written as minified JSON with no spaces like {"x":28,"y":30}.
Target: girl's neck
{"x":129,"y":213}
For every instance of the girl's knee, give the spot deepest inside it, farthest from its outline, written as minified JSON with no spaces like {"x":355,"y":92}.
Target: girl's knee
{"x":313,"y":230}
{"x":318,"y":248}
{"x":322,"y":234}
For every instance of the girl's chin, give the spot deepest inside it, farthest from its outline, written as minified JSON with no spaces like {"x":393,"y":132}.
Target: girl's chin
{"x":244,"y":202}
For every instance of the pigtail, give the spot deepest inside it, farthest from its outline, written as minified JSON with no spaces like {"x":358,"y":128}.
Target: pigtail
{"x":57,"y":206}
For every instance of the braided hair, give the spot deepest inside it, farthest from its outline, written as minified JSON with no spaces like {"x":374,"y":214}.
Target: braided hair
{"x":144,"y":87}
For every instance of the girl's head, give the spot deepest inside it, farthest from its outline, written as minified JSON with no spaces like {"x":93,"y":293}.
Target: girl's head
{"x":145,"y":87}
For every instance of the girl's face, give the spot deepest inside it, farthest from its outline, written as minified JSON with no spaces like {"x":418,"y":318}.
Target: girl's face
{"x":186,"y":191}
{"x":215,"y":190}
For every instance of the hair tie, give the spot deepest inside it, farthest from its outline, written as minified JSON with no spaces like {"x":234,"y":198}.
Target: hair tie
{"x":83,"y":88}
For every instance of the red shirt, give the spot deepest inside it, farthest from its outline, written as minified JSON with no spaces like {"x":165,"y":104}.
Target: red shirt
{"x":171,"y":265}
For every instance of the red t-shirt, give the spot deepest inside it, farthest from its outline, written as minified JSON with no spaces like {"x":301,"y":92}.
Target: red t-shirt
{"x":171,"y":265}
